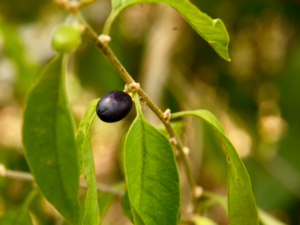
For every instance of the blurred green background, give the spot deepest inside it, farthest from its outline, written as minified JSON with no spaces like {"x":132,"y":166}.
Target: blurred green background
{"x":256,"y":96}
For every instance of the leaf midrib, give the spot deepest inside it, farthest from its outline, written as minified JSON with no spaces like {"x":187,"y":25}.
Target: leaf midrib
{"x":60,"y":83}
{"x":143,"y":163}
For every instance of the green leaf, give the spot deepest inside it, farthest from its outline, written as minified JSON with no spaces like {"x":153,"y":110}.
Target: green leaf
{"x":86,"y":162}
{"x":211,"y":30}
{"x":49,"y":140}
{"x":104,"y":202}
{"x":19,"y":215}
{"x":151,"y":174}
{"x":267,"y":219}
{"x":177,"y":125}
{"x":201,"y":220}
{"x":241,"y":202}
{"x":14,"y":49}
{"x":126,"y":208}
{"x":264,"y":218}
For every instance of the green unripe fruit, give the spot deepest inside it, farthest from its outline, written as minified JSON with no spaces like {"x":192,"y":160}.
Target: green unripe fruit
{"x":65,"y":39}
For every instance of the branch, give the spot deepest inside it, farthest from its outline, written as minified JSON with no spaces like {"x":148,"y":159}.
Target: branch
{"x":103,"y":46}
{"x":19,"y":175}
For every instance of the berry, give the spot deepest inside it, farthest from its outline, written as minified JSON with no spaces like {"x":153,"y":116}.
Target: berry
{"x":114,"y":106}
{"x":65,"y":39}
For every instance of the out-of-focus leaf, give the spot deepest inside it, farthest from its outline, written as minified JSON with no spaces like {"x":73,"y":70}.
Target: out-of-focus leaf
{"x":14,"y":49}
{"x":267,"y":219}
{"x":104,"y":201}
{"x":216,"y":199}
{"x":86,"y":162}
{"x":151,"y":174}
{"x":177,"y":125}
{"x":20,"y":215}
{"x":126,"y":207}
{"x":200,"y":220}
{"x":241,"y":203}
{"x":86,"y":2}
{"x":49,"y":140}
{"x":211,"y":30}
{"x":264,"y":218}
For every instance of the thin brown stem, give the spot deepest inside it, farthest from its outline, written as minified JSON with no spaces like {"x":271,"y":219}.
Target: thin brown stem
{"x":128,"y":80}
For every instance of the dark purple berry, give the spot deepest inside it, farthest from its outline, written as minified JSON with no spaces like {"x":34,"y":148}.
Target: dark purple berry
{"x":114,"y":106}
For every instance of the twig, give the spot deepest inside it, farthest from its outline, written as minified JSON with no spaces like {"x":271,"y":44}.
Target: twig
{"x":19,"y":175}
{"x":128,"y":80}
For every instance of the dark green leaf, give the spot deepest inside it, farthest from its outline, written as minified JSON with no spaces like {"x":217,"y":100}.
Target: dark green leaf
{"x":212,"y":30}
{"x":241,"y":202}
{"x":126,"y":207}
{"x":49,"y":141}
{"x":151,"y":174}
{"x":86,"y":162}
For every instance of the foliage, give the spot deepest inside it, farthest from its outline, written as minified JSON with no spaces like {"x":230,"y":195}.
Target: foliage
{"x":160,"y":168}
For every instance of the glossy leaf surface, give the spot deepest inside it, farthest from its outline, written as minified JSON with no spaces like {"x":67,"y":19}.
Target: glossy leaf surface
{"x":211,"y":30}
{"x":151,"y":174}
{"x":86,"y":162}
{"x":241,"y":203}
{"x":49,"y":140}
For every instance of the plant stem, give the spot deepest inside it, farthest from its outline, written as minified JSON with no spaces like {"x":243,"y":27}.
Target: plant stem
{"x":19,"y":175}
{"x":128,"y":79}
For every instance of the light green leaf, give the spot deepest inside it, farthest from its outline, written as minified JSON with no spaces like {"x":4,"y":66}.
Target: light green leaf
{"x":264,"y":218}
{"x":201,"y":220}
{"x":241,"y":203}
{"x":14,"y":49}
{"x":151,"y":174}
{"x":177,"y":126}
{"x":86,"y":162}
{"x":49,"y":140}
{"x":211,"y":30}
{"x":267,"y":219}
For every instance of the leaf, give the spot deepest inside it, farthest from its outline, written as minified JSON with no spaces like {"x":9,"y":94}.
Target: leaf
{"x":201,"y":220}
{"x":211,"y":30}
{"x":49,"y":142}
{"x":264,"y":218}
{"x":177,"y":126}
{"x":126,"y":208}
{"x":86,"y":162}
{"x":14,"y":49}
{"x":104,"y":201}
{"x":19,"y":215}
{"x":267,"y":219}
{"x":151,"y":174}
{"x":241,"y":203}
